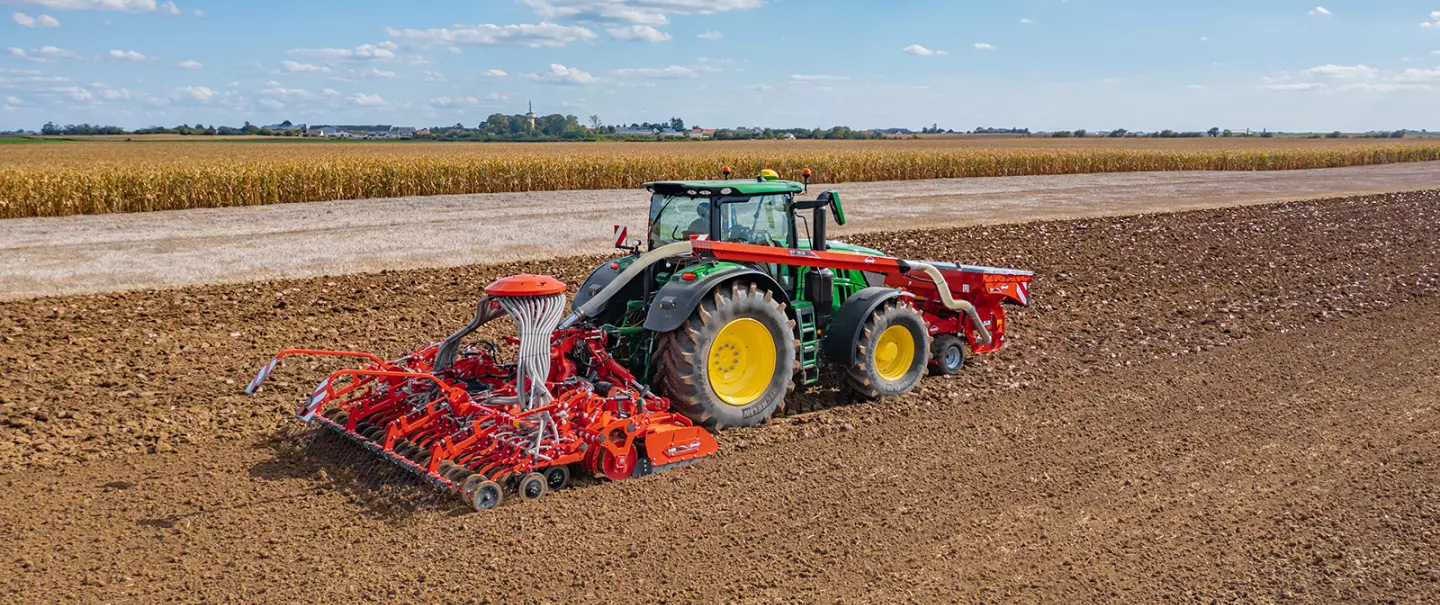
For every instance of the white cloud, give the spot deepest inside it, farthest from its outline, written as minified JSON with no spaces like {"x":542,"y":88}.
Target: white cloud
{"x":25,"y":20}
{"x":128,"y":55}
{"x":199,"y":14}
{"x":496,"y":96}
{"x":124,"y":6}
{"x":453,"y":102}
{"x":272,"y":104}
{"x":559,"y":74}
{"x":378,"y":73}
{"x":1320,"y":10}
{"x":170,"y":8}
{"x":1194,"y":87}
{"x":1294,"y":86}
{"x":1342,"y":72}
{"x":44,"y":54}
{"x":757,"y":87}
{"x":816,"y":78}
{"x":1419,"y":75}
{"x":199,"y":93}
{"x":432,"y":76}
{"x":526,"y":34}
{"x":1026,"y":20}
{"x":1434,"y":20}
{"x":639,"y":33}
{"x":641,"y":12}
{"x":1204,"y":38}
{"x":363,"y":52}
{"x":276,"y":90}
{"x":710,"y":36}
{"x":673,"y":71}
{"x":494,"y":73}
{"x":921,"y":51}
{"x":190,"y":64}
{"x":1383,"y":87}
{"x":984,"y":46}
{"x":116,"y":94}
{"x":367,"y":100}
{"x":296,"y":67}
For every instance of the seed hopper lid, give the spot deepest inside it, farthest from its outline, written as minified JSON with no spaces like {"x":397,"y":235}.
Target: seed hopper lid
{"x":525,"y":284}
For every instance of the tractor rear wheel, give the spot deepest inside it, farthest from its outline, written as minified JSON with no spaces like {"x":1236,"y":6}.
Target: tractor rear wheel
{"x":892,"y":352}
{"x":732,"y":362}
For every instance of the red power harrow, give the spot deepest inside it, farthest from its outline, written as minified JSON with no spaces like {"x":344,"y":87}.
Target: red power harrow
{"x":465,"y":420}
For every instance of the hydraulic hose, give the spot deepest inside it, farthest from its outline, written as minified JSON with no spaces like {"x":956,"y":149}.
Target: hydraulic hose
{"x":597,"y":302}
{"x":951,"y":302}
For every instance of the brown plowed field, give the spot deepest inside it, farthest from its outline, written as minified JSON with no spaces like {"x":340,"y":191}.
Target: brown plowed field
{"x":1233,"y":405}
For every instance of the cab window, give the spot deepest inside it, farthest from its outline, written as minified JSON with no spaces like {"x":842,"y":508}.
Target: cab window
{"x":762,"y":219}
{"x":674,"y":218}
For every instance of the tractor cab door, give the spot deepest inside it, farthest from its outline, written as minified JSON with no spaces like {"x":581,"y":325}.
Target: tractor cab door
{"x":763,"y":220}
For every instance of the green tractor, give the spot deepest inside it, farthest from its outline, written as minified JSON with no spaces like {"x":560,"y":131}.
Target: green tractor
{"x":764,"y":300}
{"x":735,"y":297}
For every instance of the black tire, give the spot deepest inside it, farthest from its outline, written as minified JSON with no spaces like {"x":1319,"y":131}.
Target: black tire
{"x":683,"y":356}
{"x":865,"y":377}
{"x":532,"y":486}
{"x":948,"y":353}
{"x":557,"y":478}
{"x":482,"y":494}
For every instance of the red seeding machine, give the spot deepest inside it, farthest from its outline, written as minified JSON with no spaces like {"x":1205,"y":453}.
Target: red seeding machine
{"x":708,"y":324}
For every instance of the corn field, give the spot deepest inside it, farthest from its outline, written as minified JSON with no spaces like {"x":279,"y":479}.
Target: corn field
{"x":94,"y":178}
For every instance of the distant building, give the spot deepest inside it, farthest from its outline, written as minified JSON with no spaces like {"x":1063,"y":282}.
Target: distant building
{"x":702,"y":133}
{"x":530,"y":116}
{"x":635,"y":132}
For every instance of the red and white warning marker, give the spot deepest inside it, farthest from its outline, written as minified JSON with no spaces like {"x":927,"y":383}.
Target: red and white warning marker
{"x":621,"y":233}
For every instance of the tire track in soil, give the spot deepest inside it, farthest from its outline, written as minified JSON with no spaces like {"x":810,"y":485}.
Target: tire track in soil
{"x":1234,"y":404}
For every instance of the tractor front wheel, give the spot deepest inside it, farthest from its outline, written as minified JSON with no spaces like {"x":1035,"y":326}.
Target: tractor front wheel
{"x":732,"y":362}
{"x":891,"y":353}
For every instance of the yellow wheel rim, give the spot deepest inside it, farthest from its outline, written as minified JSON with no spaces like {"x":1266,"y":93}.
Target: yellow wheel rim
{"x":742,"y":361}
{"x":894,"y":352}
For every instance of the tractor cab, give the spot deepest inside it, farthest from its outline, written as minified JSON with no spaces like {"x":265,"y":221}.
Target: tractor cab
{"x":760,"y":212}
{"x":753,"y":212}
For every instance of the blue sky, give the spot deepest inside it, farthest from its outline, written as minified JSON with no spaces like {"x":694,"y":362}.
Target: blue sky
{"x":1043,"y":64}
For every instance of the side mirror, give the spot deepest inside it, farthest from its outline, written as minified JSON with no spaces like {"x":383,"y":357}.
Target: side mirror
{"x":833,"y":198}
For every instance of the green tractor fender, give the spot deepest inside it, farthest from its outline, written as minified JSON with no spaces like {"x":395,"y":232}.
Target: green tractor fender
{"x":843,"y":335}
{"x":678,"y":298}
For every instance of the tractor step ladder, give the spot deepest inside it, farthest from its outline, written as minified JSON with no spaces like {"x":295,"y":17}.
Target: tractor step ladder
{"x":809,"y":343}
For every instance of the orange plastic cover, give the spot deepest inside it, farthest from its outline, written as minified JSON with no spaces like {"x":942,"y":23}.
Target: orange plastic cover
{"x":525,"y":284}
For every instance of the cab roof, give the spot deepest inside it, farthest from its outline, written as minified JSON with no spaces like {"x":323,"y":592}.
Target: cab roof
{"x":736,"y":187}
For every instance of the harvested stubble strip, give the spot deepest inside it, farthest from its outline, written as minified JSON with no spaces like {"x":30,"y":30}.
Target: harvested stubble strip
{"x":33,"y":190}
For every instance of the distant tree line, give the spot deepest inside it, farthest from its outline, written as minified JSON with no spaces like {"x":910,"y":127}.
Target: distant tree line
{"x":988,"y":130}
{"x":81,"y":129}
